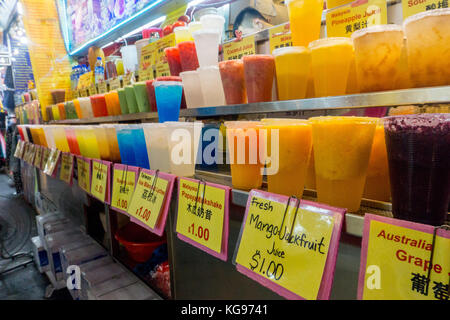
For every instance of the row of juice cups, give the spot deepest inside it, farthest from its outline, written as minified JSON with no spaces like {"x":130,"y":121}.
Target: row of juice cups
{"x":349,"y":157}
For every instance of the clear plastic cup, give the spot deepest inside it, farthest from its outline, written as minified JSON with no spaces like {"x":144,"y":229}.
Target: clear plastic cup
{"x":418,"y":149}
{"x":207,"y":46}
{"x":188,"y":56}
{"x":213,"y":22}
{"x":48,"y":136}
{"x":259,"y":71}
{"x":182,"y":34}
{"x":246,"y":163}
{"x":91,"y":143}
{"x":183,"y":139}
{"x":168,"y":99}
{"x":330,"y":63}
{"x":139,"y":146}
{"x":194,"y":26}
{"x":192,"y":89}
{"x":86,"y":107}
{"x":428,"y":36}
{"x":140,"y":90}
{"x":342,"y":147}
{"x":113,"y":145}
{"x":211,"y":83}
{"x":377,"y":54}
{"x":72,"y":140}
{"x":123,"y":101}
{"x":102,"y":141}
{"x":113,"y":103}
{"x":125,"y":142}
{"x":131,"y":99}
{"x":129,"y":58}
{"x":233,"y":80}
{"x":173,"y":59}
{"x":157,"y":146}
{"x":292,"y":66}
{"x":305,"y":18}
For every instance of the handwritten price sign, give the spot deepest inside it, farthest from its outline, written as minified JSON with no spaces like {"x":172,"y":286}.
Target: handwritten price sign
{"x":66,"y":172}
{"x":52,"y":162}
{"x":124,"y":182}
{"x":202,"y":218}
{"x":289,"y":247}
{"x":100,"y":180}
{"x":19,"y":149}
{"x":38,"y":157}
{"x":45,"y":156}
{"x":84,"y":173}
{"x":398,"y":261}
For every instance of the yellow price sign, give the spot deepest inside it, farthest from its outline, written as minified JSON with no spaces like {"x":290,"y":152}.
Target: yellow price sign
{"x":84,"y":173}
{"x":19,"y":149}
{"x":52,"y":162}
{"x":38,"y":157}
{"x":66,"y":171}
{"x":202,"y":218}
{"x":398,"y":261}
{"x":45,"y":156}
{"x":99,"y":180}
{"x":31,"y":153}
{"x":114,"y":84}
{"x":85,"y":80}
{"x":147,"y":62}
{"x":124,"y":182}
{"x":280,"y":37}
{"x":92,"y":90}
{"x":102,"y":87}
{"x":162,"y":66}
{"x":344,"y":20}
{"x":289,"y":247}
{"x":412,"y":7}
{"x":237,"y":49}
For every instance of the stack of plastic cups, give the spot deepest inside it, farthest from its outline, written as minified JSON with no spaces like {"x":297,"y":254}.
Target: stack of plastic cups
{"x":213,"y":22}
{"x":192,"y":89}
{"x":86,"y":107}
{"x":157,"y":146}
{"x":211,"y":86}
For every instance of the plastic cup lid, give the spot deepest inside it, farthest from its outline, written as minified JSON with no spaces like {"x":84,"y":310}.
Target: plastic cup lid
{"x":375,"y":29}
{"x":205,"y":31}
{"x":212,"y":16}
{"x":425,"y":14}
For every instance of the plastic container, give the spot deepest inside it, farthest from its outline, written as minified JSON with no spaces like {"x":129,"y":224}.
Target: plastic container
{"x":58,"y":95}
{"x":207,"y":46}
{"x":174,"y":78}
{"x":188,"y":56}
{"x":233,"y":81}
{"x":138,"y":242}
{"x":168,"y":99}
{"x":182,"y":34}
{"x":151,"y":95}
{"x":123,"y":101}
{"x":305,"y":19}
{"x":213,"y":22}
{"x":72,"y":141}
{"x":62,"y":111}
{"x":193,"y":89}
{"x":194,"y":26}
{"x":157,"y":146}
{"x":71,"y":113}
{"x":131,"y":99}
{"x":113,"y":103}
{"x":130,"y":58}
{"x":77,"y":106}
{"x":377,"y":54}
{"x":113,"y":145}
{"x":173,"y":59}
{"x":99,"y":108}
{"x":86,"y":107}
{"x":139,"y":146}
{"x":259,"y":71}
{"x":212,"y":88}
{"x":139,"y":45}
{"x":102,"y":141}
{"x":125,"y":142}
{"x":140,"y":90}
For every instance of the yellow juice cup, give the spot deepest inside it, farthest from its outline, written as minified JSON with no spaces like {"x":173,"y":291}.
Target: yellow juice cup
{"x":55,"y":112}
{"x":41,"y":134}
{"x":377,"y":182}
{"x":292,"y":66}
{"x":113,"y":145}
{"x":330,"y":60}
{"x":182,"y":34}
{"x":59,"y":135}
{"x":352,"y":82}
{"x":377,"y":52}
{"x":294,"y":149}
{"x":102,"y":141}
{"x":428,"y":36}
{"x":311,"y":173}
{"x":35,"y":135}
{"x":342,"y":147}
{"x":91,"y":144}
{"x":305,"y":18}
{"x":80,"y":139}
{"x":245,"y":160}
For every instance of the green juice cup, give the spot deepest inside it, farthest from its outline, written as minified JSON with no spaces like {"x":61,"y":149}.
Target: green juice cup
{"x":131,"y":99}
{"x":140,"y":90}
{"x":123,"y":101}
{"x":70,"y":110}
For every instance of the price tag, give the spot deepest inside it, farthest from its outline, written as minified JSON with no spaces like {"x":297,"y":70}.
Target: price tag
{"x":147,"y":61}
{"x":151,"y":199}
{"x":45,"y":156}
{"x":92,"y":90}
{"x":84,"y":173}
{"x":398,"y":261}
{"x":114,"y":84}
{"x":344,"y":20}
{"x":127,"y":79}
{"x":52,"y":162}
{"x":75,"y":94}
{"x":237,"y":49}
{"x":38,"y":157}
{"x":289,"y":247}
{"x":280,"y":37}
{"x":31,"y":152}
{"x":66,"y":172}
{"x":202,"y":218}
{"x":100,"y":180}
{"x":124,"y":182}
{"x":85,"y":80}
{"x":19,"y":149}
{"x":412,"y":7}
{"x":102,"y":88}
{"x":162,"y":66}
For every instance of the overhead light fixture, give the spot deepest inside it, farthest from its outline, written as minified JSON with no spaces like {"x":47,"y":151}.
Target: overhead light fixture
{"x":194,"y":3}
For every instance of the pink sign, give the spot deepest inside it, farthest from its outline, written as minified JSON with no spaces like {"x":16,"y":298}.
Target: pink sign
{"x":118,"y":184}
{"x":108,"y":178}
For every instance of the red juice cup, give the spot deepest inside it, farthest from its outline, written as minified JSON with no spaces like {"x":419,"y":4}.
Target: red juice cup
{"x":233,"y":81}
{"x":259,"y":70}
{"x":173,"y":78}
{"x":188,"y":56}
{"x":99,"y":108}
{"x":173,"y":58}
{"x":151,"y":95}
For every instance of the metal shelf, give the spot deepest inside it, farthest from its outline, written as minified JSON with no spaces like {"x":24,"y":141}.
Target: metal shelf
{"x":417,"y":96}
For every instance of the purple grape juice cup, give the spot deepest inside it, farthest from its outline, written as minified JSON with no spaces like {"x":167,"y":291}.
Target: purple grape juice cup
{"x":418,"y":148}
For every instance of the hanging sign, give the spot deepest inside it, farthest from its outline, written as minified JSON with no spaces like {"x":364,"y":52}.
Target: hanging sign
{"x":124,"y":182}
{"x":19,"y":149}
{"x":114,"y":84}
{"x":84,"y":173}
{"x":289,"y":246}
{"x":162,"y":66}
{"x":100,"y":182}
{"x":403,"y":260}
{"x":344,"y":20}
{"x":92,"y":90}
{"x":412,"y":7}
{"x":237,"y":49}
{"x":38,"y":157}
{"x":280,"y":37}
{"x":202,"y":216}
{"x":29,"y":156}
{"x":147,"y":61}
{"x":52,"y":162}
{"x":45,"y":156}
{"x":66,"y":171}
{"x":151,"y":200}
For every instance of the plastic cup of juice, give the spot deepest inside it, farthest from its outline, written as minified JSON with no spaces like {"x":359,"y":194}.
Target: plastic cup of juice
{"x":168,"y":99}
{"x":184,"y":136}
{"x":59,"y":95}
{"x":377,"y":182}
{"x":428,"y":36}
{"x":71,"y":112}
{"x":292,"y":66}
{"x":123,"y":101}
{"x":42,"y":138}
{"x":403,"y":80}
{"x":246,"y":163}
{"x":342,"y":147}
{"x":336,"y":3}
{"x":207,"y":46}
{"x":311,"y":173}
{"x":80,"y":140}
{"x":113,"y":145}
{"x":330,"y":61}
{"x":131,"y":99}
{"x":173,"y":59}
{"x":76,"y":103}
{"x":352,"y":82}
{"x":34,"y":135}
{"x":294,"y":150}
{"x":59,"y":135}
{"x":139,"y":146}
{"x":157,"y":146}
{"x":182,"y":34}
{"x":86,"y":107}
{"x":211,"y":85}
{"x":213,"y":22}
{"x":192,"y":89}
{"x":259,"y":71}
{"x":418,"y":149}
{"x":194,"y":26}
{"x":174,"y":78}
{"x":72,"y":140}
{"x":233,"y":81}
{"x":377,"y":53}
{"x":113,"y":103}
{"x":119,"y":67}
{"x":140,"y":90}
{"x":151,"y":95}
{"x":125,"y":141}
{"x":102,"y":141}
{"x":188,"y":56}
{"x":305,"y":18}
{"x":62,"y":111}
{"x":90,"y":143}
{"x":55,"y":112}
{"x":48,"y":131}
{"x":99,"y":108}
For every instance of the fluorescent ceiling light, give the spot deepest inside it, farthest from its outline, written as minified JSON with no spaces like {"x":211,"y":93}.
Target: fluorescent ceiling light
{"x":194,"y":3}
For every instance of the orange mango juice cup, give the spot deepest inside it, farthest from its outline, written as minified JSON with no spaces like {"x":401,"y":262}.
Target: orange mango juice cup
{"x":245,"y":160}
{"x":311,"y":173}
{"x":330,"y":60}
{"x":102,"y":142}
{"x":377,"y":182}
{"x":294,"y":149}
{"x":77,"y":105}
{"x":377,"y":52}
{"x":342,"y":147}
{"x":428,"y":36}
{"x":292,"y":66}
{"x":113,"y":145}
{"x":352,"y":82}
{"x":112,"y":103}
{"x":305,"y":18}
{"x":59,"y":135}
